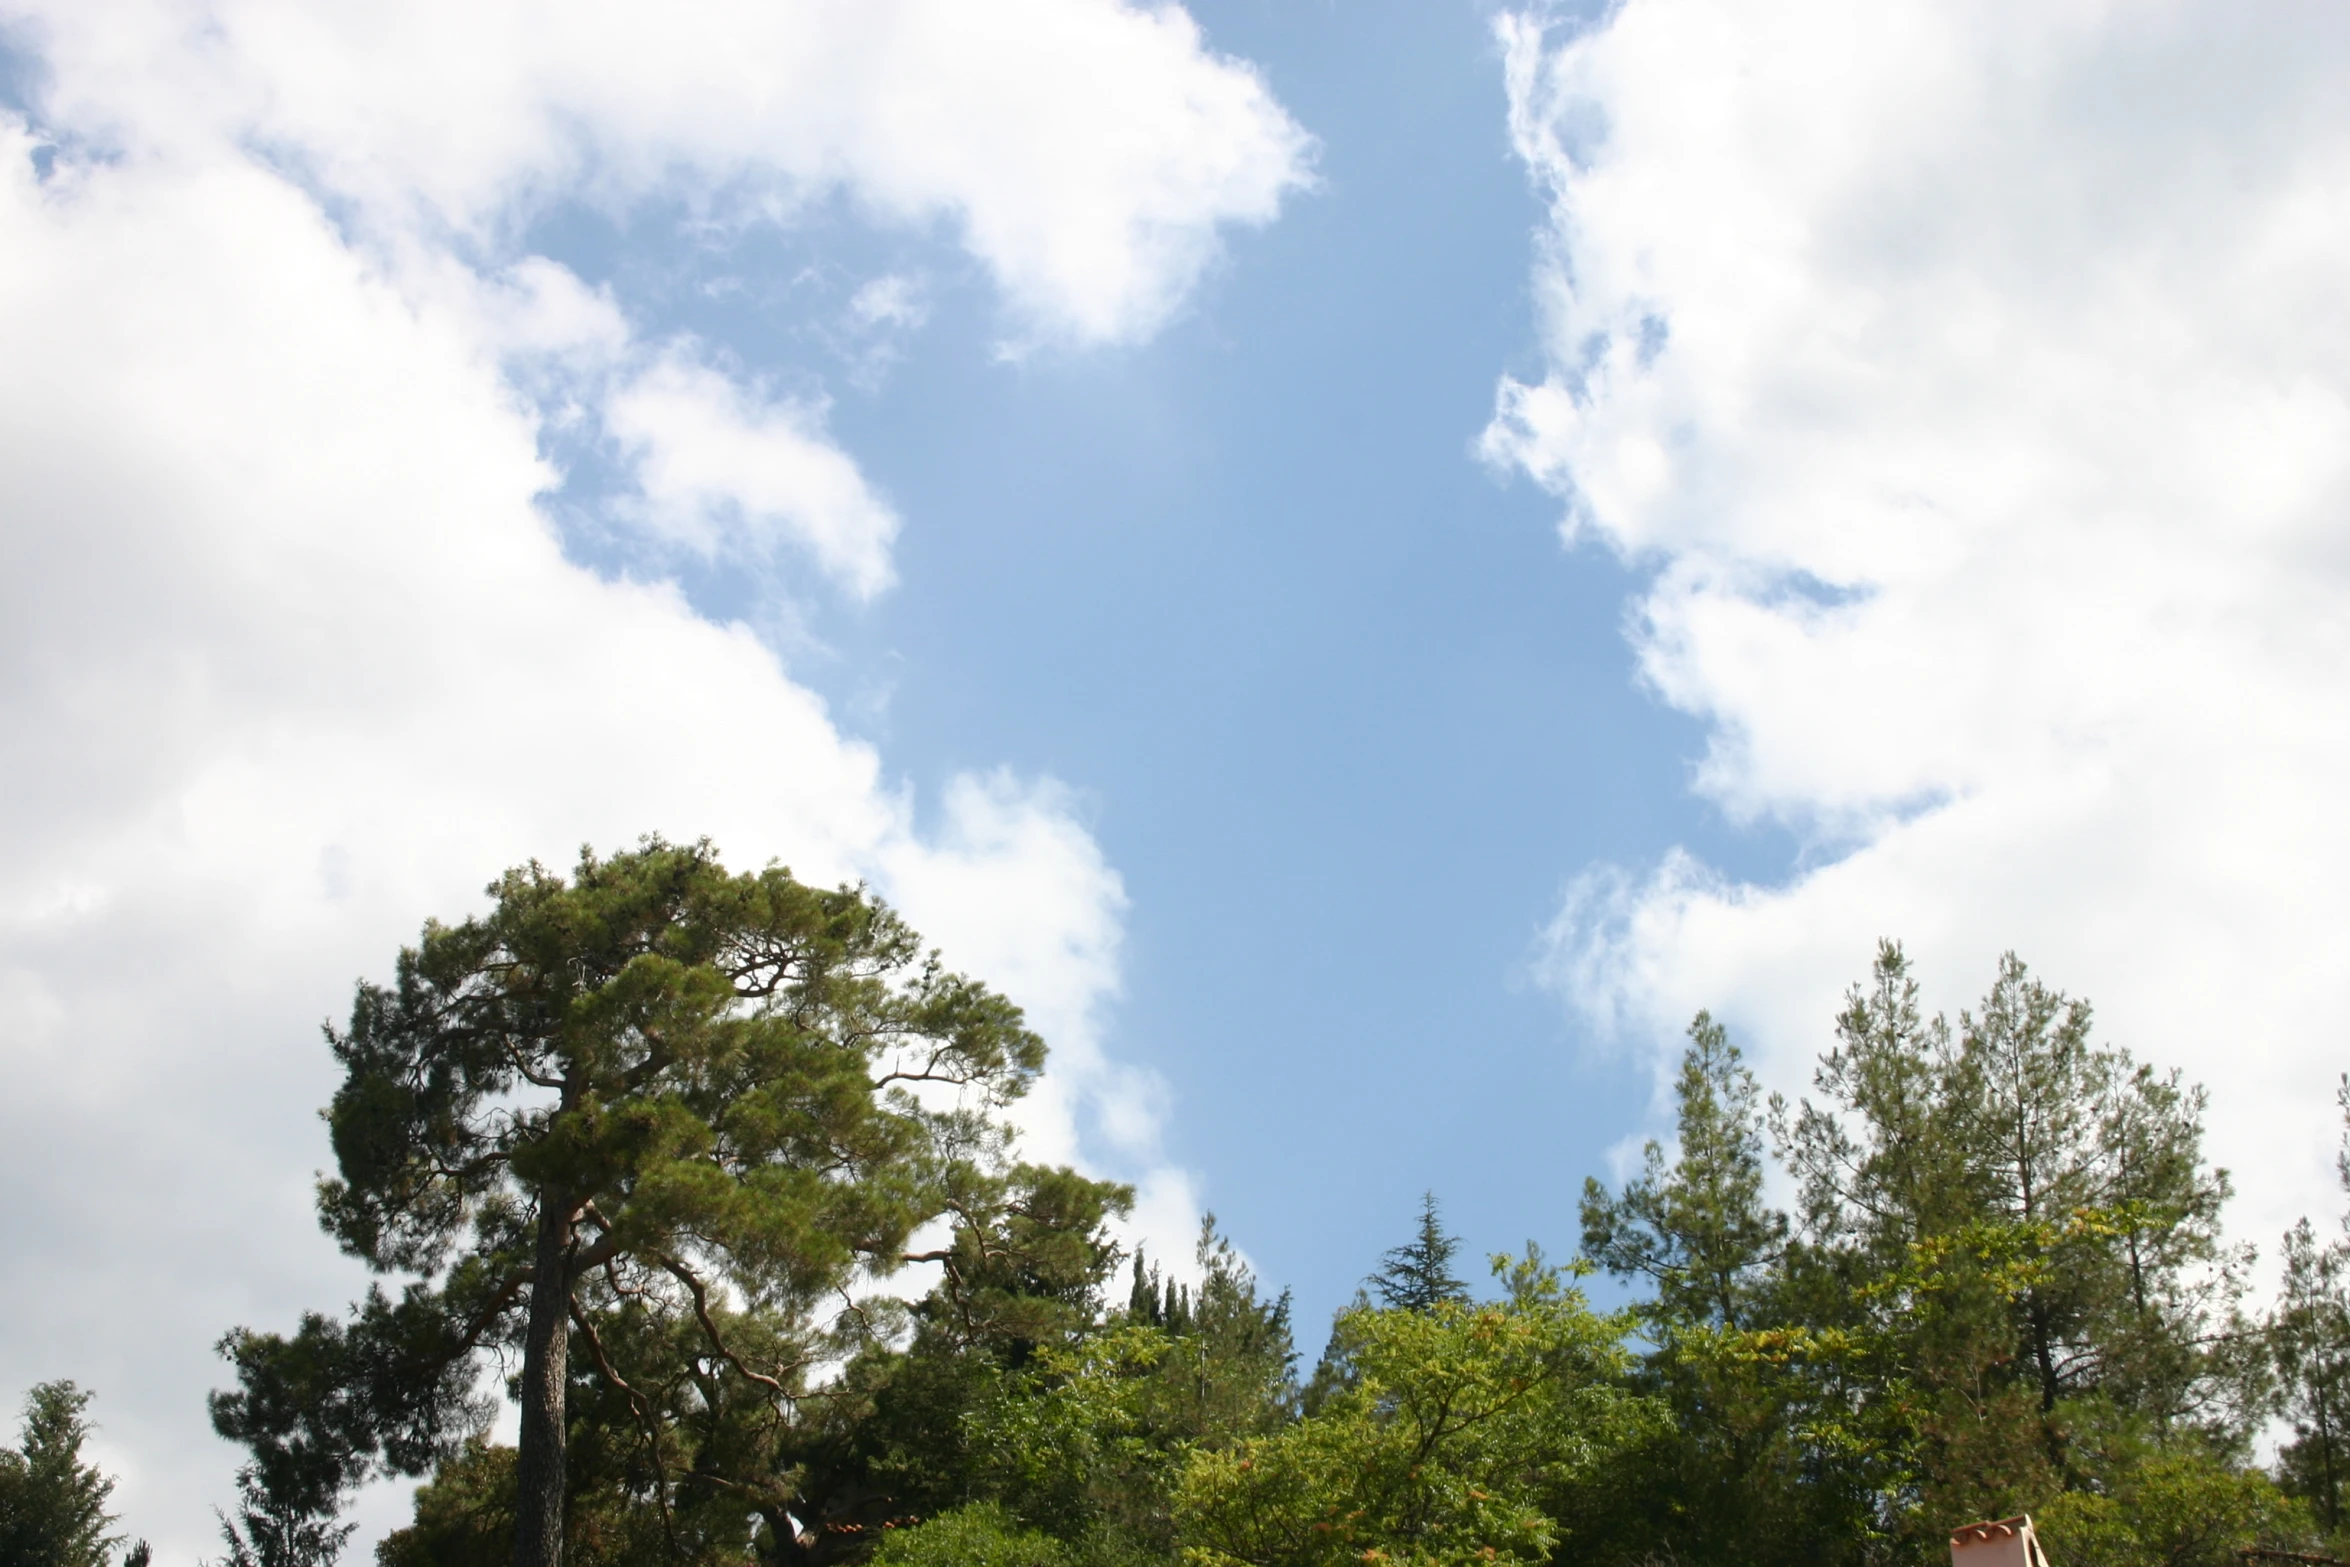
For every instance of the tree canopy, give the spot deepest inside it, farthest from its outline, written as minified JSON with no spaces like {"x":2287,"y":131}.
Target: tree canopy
{"x":652,"y":1127}
{"x":660,"y":1141}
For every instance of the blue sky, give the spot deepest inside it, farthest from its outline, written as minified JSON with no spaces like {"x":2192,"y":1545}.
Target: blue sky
{"x":1339,"y":705}
{"x":1361,"y":561}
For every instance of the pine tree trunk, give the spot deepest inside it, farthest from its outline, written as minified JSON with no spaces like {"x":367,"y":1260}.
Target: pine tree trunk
{"x":546,"y":1348}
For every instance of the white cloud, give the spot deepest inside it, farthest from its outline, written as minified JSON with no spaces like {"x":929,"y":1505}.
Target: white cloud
{"x":1975,"y":382}
{"x":718,"y":466}
{"x":1085,"y":150}
{"x":289,"y":658}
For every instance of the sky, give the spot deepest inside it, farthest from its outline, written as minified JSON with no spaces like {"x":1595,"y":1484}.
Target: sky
{"x":1362,"y":561}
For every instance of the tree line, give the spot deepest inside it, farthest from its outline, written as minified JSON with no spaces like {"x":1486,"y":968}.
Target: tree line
{"x":653,"y":1149}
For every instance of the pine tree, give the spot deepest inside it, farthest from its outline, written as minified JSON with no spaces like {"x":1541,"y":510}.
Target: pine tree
{"x":52,"y":1504}
{"x":1417,"y":1276}
{"x":2042,"y":1203}
{"x":1696,"y":1228}
{"x":2309,"y":1334}
{"x":2309,"y":1342}
{"x":648,"y":1125}
{"x":1741,"y":1476}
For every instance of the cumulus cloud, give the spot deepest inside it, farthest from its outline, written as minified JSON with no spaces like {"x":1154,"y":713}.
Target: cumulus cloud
{"x":290,"y":658}
{"x":1972,"y":385}
{"x":1085,"y":150}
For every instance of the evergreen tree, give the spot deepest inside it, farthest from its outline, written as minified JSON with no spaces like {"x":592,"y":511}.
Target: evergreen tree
{"x":1418,"y":1276}
{"x":1740,"y":1475}
{"x":2309,"y":1338}
{"x":267,"y":1531}
{"x":53,"y":1504}
{"x":2309,"y":1334}
{"x":666,"y":1115}
{"x":1697,"y":1228}
{"x":2029,"y":1215}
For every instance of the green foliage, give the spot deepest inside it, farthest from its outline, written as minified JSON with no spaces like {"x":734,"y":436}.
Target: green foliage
{"x":1696,"y":1229}
{"x":714,"y":1111}
{"x":1087,"y":1440}
{"x":1466,"y":1428}
{"x":1787,"y":1433}
{"x":269,"y":1531}
{"x":2309,"y":1342}
{"x":464,"y":1517}
{"x":980,"y":1535}
{"x":1085,"y":1433}
{"x":53,"y":1504}
{"x":2004,"y":1285}
{"x":1417,"y":1276}
{"x":2185,"y":1508}
{"x":2027,"y":1219}
{"x":649,"y":1125}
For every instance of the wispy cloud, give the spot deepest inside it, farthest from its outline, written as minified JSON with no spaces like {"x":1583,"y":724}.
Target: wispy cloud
{"x":718,"y":464}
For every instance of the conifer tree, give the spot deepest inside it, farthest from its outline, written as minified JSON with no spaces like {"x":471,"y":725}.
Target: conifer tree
{"x":2309,"y":1340}
{"x":1418,"y":1276}
{"x":1696,"y":1228}
{"x":2309,"y":1335}
{"x":643,"y":1128}
{"x":53,"y":1503}
{"x":2029,"y":1215}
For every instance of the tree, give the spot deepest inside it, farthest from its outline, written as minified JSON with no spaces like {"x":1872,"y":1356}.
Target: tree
{"x":2309,"y":1334}
{"x":980,"y":1535}
{"x":1417,"y":1276}
{"x":52,"y":1504}
{"x":1085,"y":1442}
{"x":2181,"y":1508}
{"x":2309,"y":1340}
{"x":1468,"y":1437}
{"x":267,"y":1532}
{"x":1697,"y":1228}
{"x":1758,"y":1464}
{"x":651,"y":1121}
{"x":2030,"y":1215}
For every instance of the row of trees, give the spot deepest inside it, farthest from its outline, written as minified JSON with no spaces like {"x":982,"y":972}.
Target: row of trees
{"x":658,"y":1144}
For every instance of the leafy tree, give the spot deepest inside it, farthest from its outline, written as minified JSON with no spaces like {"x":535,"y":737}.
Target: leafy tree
{"x":893,"y":1442}
{"x":980,"y":1535}
{"x":1417,"y":1276}
{"x":1467,"y":1426}
{"x":464,"y":1517}
{"x":52,"y":1504}
{"x":645,"y":1126}
{"x":1086,"y":1441}
{"x":2180,"y":1508}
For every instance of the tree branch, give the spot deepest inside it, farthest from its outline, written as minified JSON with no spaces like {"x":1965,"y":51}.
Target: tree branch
{"x":685,"y":1276}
